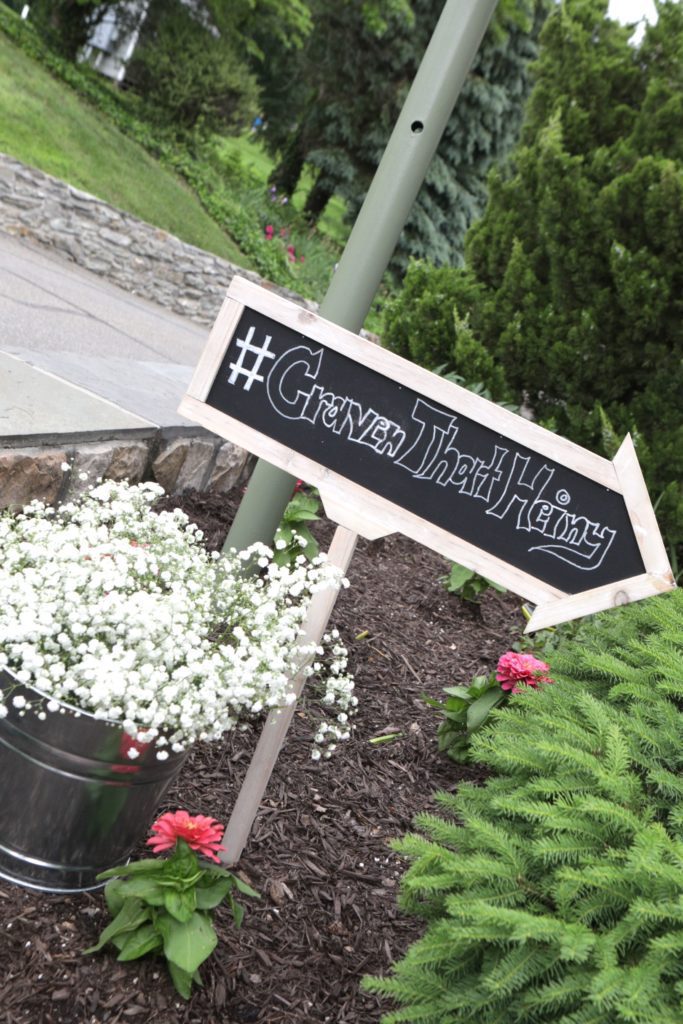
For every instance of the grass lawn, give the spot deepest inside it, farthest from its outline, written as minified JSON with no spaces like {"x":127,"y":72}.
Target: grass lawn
{"x":252,"y":156}
{"x":44,"y":124}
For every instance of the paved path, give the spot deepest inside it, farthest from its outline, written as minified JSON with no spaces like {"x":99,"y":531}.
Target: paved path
{"x":62,"y":320}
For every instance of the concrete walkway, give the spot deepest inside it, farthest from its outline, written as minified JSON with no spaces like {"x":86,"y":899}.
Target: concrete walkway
{"x":81,"y":357}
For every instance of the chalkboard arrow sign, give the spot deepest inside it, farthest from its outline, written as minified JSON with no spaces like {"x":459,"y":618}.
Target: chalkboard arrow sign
{"x":392,"y":447}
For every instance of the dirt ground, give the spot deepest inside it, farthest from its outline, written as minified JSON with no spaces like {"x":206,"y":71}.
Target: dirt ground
{"x":319,"y":852}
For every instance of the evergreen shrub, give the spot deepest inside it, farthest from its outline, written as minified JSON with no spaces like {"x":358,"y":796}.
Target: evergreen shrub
{"x":572,"y":286}
{"x":553,"y":894}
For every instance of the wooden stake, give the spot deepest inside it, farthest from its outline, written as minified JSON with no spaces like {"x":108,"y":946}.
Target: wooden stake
{"x":278,"y":721}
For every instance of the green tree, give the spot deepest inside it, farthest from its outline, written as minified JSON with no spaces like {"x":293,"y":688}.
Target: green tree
{"x":286,"y":21}
{"x":303,"y":90}
{"x":191,"y":74}
{"x":574,"y":275}
{"x":315,"y":117}
{"x":192,"y":63}
{"x":66,"y":24}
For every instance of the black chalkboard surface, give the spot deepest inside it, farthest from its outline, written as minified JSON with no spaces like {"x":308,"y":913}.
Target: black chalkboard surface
{"x":465,"y":477}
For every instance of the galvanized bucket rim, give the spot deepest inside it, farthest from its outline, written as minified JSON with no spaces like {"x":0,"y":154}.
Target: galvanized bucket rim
{"x":73,"y":708}
{"x":73,"y":803}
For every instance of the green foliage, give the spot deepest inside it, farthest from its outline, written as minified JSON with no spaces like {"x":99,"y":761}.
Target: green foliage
{"x":223,"y":190}
{"x":574,"y":274}
{"x":66,"y":24}
{"x":465,"y":711}
{"x":555,"y":891}
{"x":163,"y":906}
{"x":314,"y":117}
{"x":422,"y":323}
{"x":190,"y":78}
{"x":544,"y":643}
{"x":287,"y":21}
{"x":467,"y":584}
{"x":46,"y":124}
{"x":293,"y":537}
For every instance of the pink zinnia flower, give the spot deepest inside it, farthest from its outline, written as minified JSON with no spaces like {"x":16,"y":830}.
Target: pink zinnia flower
{"x":199,"y":832}
{"x":269,"y":231}
{"x":516,"y":668}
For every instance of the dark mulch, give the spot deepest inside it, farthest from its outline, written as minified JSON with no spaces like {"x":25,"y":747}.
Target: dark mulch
{"x":319,"y":852}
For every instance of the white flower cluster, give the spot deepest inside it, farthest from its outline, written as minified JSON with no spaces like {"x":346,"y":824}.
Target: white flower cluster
{"x":120,"y":611}
{"x":336,"y":692}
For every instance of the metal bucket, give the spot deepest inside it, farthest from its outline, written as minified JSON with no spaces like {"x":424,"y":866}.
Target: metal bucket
{"x":72,"y":803}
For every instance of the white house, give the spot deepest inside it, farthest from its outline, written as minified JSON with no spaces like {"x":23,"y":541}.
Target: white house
{"x":115,"y":37}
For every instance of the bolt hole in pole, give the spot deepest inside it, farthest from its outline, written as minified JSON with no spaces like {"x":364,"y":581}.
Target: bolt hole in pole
{"x":417,"y":127}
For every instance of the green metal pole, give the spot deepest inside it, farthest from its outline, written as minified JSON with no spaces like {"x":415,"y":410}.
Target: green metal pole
{"x":396,"y":183}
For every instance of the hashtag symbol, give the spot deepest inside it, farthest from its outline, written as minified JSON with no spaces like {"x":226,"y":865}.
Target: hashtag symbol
{"x":245,"y":346}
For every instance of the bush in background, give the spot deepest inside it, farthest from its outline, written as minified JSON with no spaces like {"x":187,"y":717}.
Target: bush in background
{"x":555,"y":891}
{"x":189,"y":77}
{"x":570,"y":299}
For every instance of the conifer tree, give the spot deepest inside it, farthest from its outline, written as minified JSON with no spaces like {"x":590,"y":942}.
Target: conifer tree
{"x":574,"y":274}
{"x":555,"y":891}
{"x":335,"y":105}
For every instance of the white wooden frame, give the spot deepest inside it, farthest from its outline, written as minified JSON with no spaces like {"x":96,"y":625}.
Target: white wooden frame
{"x":360,"y":510}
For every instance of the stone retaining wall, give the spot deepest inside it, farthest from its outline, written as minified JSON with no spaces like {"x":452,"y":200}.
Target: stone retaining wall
{"x":205,"y":463}
{"x":136,"y":256}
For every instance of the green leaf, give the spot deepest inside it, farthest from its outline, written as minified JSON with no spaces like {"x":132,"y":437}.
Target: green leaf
{"x":209,"y":896}
{"x":113,"y":896}
{"x":302,"y":506}
{"x":244,"y":888}
{"x":458,"y":691}
{"x":311,"y":548}
{"x":458,"y":576}
{"x":481,"y":683}
{"x":189,"y":944}
{"x":386,"y":737}
{"x":181,"y":979}
{"x":237,"y":911}
{"x":137,"y":867}
{"x":145,"y":939}
{"x":148,"y":890}
{"x":479,"y":709}
{"x":130,"y":917}
{"x":496,"y":586}
{"x":302,"y":516}
{"x":431,"y":702}
{"x":180,"y":905}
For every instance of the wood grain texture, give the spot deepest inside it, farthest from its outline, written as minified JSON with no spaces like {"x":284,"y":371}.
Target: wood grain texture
{"x":641,"y":512}
{"x":214,"y":350}
{"x":601,"y":599}
{"x":279,"y":719}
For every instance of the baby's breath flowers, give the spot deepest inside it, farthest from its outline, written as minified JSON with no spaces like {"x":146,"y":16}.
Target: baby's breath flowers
{"x":119,"y":611}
